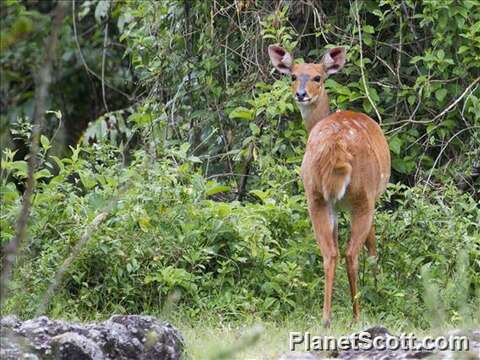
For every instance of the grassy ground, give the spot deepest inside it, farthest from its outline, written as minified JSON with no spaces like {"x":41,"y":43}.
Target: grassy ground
{"x":260,"y":340}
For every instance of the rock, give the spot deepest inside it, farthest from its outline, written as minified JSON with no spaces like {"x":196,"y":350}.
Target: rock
{"x":73,"y":346}
{"x":120,"y":337}
{"x":299,"y":356}
{"x":383,"y":333}
{"x":416,"y":352}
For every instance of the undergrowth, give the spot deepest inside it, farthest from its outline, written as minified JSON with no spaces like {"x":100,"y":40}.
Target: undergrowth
{"x":166,"y":245}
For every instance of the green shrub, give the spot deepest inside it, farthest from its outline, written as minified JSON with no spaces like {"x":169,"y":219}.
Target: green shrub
{"x":166,"y":243}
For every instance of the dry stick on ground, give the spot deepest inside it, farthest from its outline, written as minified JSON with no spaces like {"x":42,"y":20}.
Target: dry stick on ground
{"x":91,"y":228}
{"x":43,"y":79}
{"x":68,"y":261}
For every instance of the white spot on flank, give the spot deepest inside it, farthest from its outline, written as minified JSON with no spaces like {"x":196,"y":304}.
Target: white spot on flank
{"x":341,"y":193}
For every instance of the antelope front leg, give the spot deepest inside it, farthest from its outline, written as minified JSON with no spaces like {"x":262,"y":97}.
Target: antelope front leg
{"x":362,"y":219}
{"x":323,"y":220}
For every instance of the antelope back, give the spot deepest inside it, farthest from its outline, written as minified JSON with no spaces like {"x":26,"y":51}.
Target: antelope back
{"x":347,"y":158}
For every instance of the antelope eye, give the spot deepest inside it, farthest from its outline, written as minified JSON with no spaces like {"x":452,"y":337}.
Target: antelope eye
{"x":294,"y":78}
{"x":317,"y":78}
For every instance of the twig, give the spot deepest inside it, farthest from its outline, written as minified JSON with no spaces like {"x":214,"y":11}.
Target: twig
{"x":441,"y":152}
{"x":412,"y":29}
{"x":105,"y":39}
{"x":68,"y":261}
{"x":410,"y":119}
{"x":357,"y":18}
{"x":42,"y":82}
{"x":446,"y":110}
{"x":242,"y":185}
{"x":457,"y":100}
{"x":172,"y":103}
{"x":399,"y":62}
{"x":82,"y":58}
{"x":386,"y":65}
{"x":225,"y":175}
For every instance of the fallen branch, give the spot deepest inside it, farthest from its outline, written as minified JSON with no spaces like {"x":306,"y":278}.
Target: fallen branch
{"x":43,"y":78}
{"x":68,"y":261}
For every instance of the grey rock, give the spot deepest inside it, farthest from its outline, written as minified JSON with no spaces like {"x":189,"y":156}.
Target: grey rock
{"x":299,"y":356}
{"x":120,"y":337}
{"x":373,"y":354}
{"x":73,"y":346}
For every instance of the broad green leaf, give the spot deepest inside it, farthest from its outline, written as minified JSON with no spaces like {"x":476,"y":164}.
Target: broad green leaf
{"x":45,"y":142}
{"x":215,"y":188}
{"x":368,"y":29}
{"x":87,"y":179}
{"x":411,"y":99}
{"x":395,"y":144}
{"x":42,"y":174}
{"x":144,"y":223}
{"x":195,"y":159}
{"x":254,"y":128}
{"x":440,"y":94}
{"x":58,"y":162}
{"x":241,"y":113}
{"x":262,"y":195}
{"x":20,"y":165}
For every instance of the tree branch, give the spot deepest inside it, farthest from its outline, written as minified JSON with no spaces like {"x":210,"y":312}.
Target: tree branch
{"x":43,"y":78}
{"x":364,"y":81}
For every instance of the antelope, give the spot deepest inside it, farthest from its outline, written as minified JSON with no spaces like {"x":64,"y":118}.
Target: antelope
{"x":346,"y":164}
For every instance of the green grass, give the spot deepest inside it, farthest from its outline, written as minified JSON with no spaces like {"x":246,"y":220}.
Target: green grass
{"x":212,"y":338}
{"x":257,"y":339}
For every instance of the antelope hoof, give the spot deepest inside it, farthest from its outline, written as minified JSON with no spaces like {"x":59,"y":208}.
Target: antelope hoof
{"x":326,"y":323}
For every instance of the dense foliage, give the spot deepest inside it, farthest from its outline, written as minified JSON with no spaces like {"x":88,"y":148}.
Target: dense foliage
{"x":193,"y":151}
{"x":165,"y":240}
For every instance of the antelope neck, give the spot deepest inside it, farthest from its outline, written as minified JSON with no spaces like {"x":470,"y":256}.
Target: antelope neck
{"x":314,"y":112}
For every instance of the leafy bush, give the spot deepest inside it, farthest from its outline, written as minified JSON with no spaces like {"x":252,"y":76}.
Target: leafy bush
{"x":166,"y":242}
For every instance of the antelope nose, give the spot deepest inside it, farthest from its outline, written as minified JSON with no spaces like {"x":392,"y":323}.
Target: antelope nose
{"x":301,"y":94}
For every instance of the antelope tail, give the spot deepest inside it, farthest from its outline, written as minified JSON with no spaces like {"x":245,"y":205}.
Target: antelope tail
{"x":335,"y":170}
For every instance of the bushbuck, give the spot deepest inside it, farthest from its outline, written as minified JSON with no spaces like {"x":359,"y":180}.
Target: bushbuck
{"x":346,"y":164}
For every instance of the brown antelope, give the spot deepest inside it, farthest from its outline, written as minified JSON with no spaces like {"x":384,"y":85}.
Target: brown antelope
{"x":346,"y":163}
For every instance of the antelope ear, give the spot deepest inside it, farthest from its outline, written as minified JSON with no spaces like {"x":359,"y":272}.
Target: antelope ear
{"x":333,"y":60}
{"x":281,"y":59}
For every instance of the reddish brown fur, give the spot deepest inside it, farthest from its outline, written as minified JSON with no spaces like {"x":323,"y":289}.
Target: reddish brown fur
{"x":346,"y":161}
{"x":346,"y":144}
{"x":354,"y":144}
